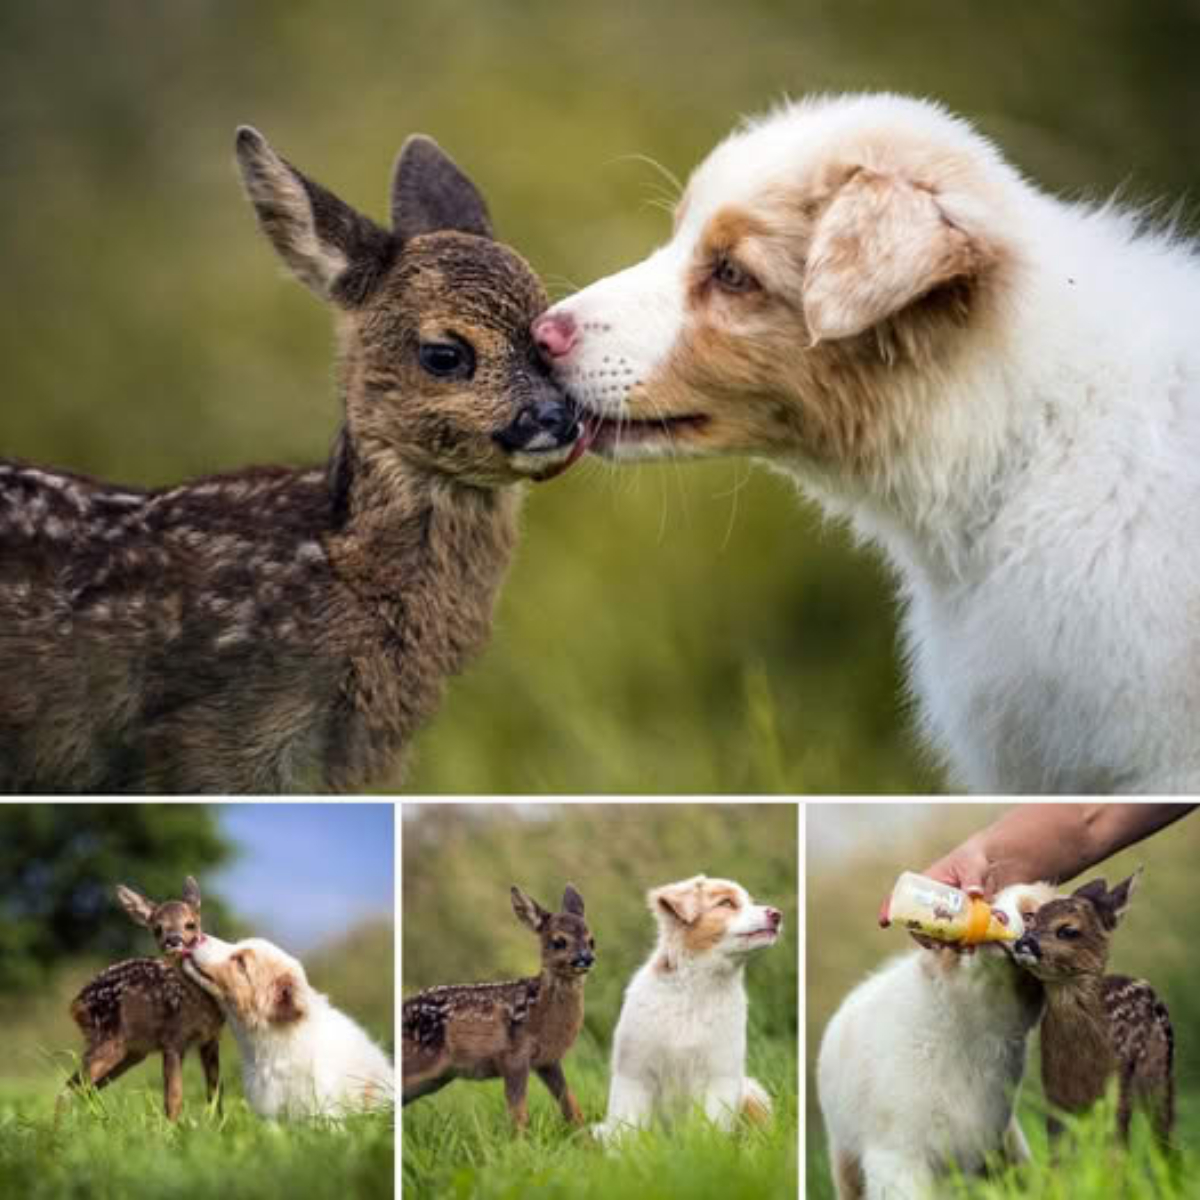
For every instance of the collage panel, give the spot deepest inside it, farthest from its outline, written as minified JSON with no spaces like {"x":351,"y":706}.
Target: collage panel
{"x":1007,"y":1046}
{"x":197,"y":999}
{"x":600,"y":1000}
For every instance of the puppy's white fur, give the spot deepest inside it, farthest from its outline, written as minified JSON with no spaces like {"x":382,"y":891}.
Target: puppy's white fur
{"x":999,"y":388}
{"x":681,"y":1037}
{"x":301,"y":1057}
{"x":921,"y":1065}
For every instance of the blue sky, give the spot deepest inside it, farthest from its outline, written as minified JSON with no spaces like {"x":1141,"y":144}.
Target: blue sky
{"x":306,"y":873}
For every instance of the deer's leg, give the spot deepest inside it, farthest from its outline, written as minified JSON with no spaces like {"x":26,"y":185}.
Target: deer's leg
{"x":516,"y":1084}
{"x":102,"y":1063}
{"x":424,"y":1073}
{"x":554,"y":1079}
{"x":210,"y":1058}
{"x":172,"y":1083}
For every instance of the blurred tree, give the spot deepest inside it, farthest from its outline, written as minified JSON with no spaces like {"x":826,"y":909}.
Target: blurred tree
{"x":59,"y":864}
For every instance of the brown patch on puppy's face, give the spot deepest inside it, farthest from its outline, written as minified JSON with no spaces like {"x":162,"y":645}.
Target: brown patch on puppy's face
{"x":256,"y":982}
{"x":700,"y":916}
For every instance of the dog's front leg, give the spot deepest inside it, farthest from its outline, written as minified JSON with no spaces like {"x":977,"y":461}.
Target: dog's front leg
{"x":630,"y":1104}
{"x":1016,"y":1148}
{"x":556,"y":1081}
{"x":892,"y":1176}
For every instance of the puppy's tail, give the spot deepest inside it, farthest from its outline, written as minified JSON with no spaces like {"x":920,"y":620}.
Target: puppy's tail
{"x":756,"y":1103}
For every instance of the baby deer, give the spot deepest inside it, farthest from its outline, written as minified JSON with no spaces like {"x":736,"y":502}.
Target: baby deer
{"x":278,"y":629}
{"x":503,"y":1030}
{"x":143,"y":1005}
{"x":1097,"y":1025}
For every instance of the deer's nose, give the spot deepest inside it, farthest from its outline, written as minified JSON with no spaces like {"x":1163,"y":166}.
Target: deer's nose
{"x":555,"y":334}
{"x":584,"y":961}
{"x":1027,"y":945}
{"x":173,"y":941}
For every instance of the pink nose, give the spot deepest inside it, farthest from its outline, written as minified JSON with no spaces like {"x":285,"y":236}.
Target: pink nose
{"x":555,"y":334}
{"x":775,"y":917}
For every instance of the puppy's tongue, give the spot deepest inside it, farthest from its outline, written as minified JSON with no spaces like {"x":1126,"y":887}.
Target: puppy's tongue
{"x":587,"y":434}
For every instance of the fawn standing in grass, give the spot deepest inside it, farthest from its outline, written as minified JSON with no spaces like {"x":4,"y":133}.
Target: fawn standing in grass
{"x":143,"y":1005}
{"x":1097,"y":1025}
{"x":503,"y":1030}
{"x":279,"y":629}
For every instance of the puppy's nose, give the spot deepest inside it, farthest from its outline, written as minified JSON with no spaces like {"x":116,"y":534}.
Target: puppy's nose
{"x":775,"y":917}
{"x":555,"y":334}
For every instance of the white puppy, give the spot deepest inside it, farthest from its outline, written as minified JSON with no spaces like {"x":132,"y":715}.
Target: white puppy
{"x":301,"y":1057}
{"x":681,"y":1036}
{"x":998,"y":388}
{"x":921,"y":1065}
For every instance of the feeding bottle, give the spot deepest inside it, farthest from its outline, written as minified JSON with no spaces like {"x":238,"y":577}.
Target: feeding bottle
{"x":940,"y":911}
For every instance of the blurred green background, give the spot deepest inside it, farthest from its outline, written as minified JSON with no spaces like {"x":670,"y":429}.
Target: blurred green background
{"x":665,"y":629}
{"x":855,"y":852}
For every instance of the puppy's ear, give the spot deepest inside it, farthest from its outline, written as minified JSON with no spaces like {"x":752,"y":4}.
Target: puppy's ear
{"x":680,"y":901}
{"x":140,"y":909}
{"x":529,"y":911}
{"x":287,"y":1000}
{"x":881,"y":243}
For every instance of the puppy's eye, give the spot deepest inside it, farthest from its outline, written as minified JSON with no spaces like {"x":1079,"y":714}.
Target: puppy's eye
{"x":729,"y":276}
{"x":1068,"y":933}
{"x":726,"y":903}
{"x":241,"y":962}
{"x":447,"y":359}
{"x":559,"y":943}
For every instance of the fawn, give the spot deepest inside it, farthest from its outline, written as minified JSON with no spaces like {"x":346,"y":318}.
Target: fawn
{"x":143,"y":1005}
{"x":279,"y":629}
{"x":1097,"y":1025}
{"x":502,"y":1030}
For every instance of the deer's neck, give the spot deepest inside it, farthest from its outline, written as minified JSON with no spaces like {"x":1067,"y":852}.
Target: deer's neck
{"x":559,"y":1012}
{"x":422,"y":559}
{"x":1077,"y":1055}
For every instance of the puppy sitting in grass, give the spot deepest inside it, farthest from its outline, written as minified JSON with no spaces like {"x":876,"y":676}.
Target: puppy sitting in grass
{"x":681,"y":1036}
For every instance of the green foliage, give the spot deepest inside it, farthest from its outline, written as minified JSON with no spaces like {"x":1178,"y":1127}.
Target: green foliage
{"x":458,"y":1143}
{"x":682,"y":628}
{"x":458,"y":927}
{"x":114,"y":1144}
{"x":59,"y":865}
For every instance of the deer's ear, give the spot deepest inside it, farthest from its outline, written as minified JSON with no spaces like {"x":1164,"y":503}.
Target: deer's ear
{"x":529,"y":911}
{"x":1116,"y":903}
{"x":430,"y":193}
{"x":1094,"y":890}
{"x":191,"y":893}
{"x":882,"y":242}
{"x":679,"y":901}
{"x":335,"y":250}
{"x":572,"y":901}
{"x":140,"y":909}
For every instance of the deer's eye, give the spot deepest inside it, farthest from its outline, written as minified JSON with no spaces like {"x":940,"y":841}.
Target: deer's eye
{"x":158,"y":931}
{"x":559,"y":943}
{"x":447,"y":359}
{"x":190,"y":926}
{"x":729,"y":276}
{"x":1068,"y":933}
{"x":591,"y":943}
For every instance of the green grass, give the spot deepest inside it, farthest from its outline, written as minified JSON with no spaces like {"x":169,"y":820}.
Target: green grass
{"x":458,"y":1144}
{"x":115,"y":1144}
{"x":1087,"y":1163}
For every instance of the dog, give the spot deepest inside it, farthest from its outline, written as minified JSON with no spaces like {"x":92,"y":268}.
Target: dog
{"x":998,"y":388}
{"x":921,"y":1065}
{"x":681,"y":1036}
{"x":301,"y":1057}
